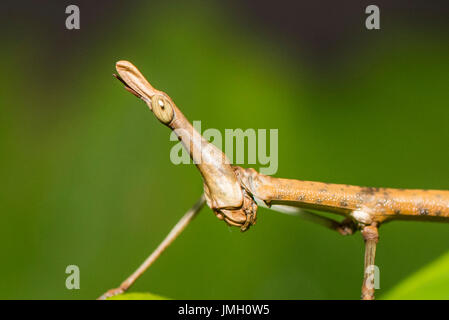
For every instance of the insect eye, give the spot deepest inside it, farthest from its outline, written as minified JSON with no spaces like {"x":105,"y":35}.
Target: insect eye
{"x":162,"y":109}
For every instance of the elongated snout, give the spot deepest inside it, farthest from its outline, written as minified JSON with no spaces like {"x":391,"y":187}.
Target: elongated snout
{"x":135,"y":80}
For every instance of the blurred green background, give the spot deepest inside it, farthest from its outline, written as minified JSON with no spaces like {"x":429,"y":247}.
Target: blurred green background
{"x":86,"y":177}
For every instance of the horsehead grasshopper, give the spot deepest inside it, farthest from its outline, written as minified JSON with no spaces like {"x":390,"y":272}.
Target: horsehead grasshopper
{"x":234,"y":193}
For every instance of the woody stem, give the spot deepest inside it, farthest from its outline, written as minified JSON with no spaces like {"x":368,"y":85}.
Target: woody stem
{"x":371,"y":236}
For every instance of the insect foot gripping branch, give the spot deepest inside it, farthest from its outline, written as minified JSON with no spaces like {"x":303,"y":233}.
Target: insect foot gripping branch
{"x":224,"y":194}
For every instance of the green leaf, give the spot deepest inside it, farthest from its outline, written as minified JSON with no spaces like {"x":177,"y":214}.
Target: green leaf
{"x":138,"y":296}
{"x":431,"y":282}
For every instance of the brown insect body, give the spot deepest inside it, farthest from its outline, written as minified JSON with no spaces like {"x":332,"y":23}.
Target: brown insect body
{"x":232,"y":192}
{"x":365,"y":204}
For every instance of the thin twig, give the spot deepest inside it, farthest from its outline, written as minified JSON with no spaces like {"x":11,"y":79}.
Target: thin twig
{"x":345,"y":227}
{"x":371,"y":236}
{"x":172,"y":235}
